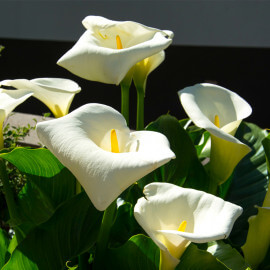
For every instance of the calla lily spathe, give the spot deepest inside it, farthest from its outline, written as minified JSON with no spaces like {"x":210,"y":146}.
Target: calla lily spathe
{"x":145,"y":67}
{"x":258,"y":238}
{"x":9,"y":100}
{"x":166,"y":207}
{"x":56,"y":93}
{"x":219,"y":111}
{"x":109,"y":49}
{"x":96,"y":145}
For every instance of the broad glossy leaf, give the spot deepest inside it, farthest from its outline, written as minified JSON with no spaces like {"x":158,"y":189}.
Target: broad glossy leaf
{"x":40,"y":162}
{"x":249,"y":181}
{"x":125,"y":225}
{"x":196,"y":259}
{"x":49,"y":184}
{"x":138,"y":253}
{"x":227,"y":255}
{"x":266,"y":146}
{"x":186,"y":170}
{"x":4,"y":243}
{"x":71,"y":231}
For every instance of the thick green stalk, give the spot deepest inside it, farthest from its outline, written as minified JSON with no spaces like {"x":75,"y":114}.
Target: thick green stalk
{"x":83,"y":258}
{"x":83,"y":261}
{"x":104,"y":235}
{"x":78,"y":187}
{"x":125,"y":101}
{"x":213,"y":187}
{"x":7,"y":190}
{"x":165,"y":263}
{"x":125,"y":85}
{"x":12,"y":207}
{"x":1,"y":137}
{"x":140,"y":108}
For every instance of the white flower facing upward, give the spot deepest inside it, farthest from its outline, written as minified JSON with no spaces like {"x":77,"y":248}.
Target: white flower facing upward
{"x":9,"y":100}
{"x":96,"y":145}
{"x":173,"y":217}
{"x":109,"y":49}
{"x":56,"y":93}
{"x":219,"y":111}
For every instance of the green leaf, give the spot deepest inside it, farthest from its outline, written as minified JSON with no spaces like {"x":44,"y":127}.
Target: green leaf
{"x":265,"y":265}
{"x":141,"y":253}
{"x":197,"y":259}
{"x":4,"y":243}
{"x":138,"y":253}
{"x":186,"y":169}
{"x":39,"y":162}
{"x":71,"y":231}
{"x":249,"y":181}
{"x":266,"y":146}
{"x":49,"y":184}
{"x":125,"y":225}
{"x":227,"y":255}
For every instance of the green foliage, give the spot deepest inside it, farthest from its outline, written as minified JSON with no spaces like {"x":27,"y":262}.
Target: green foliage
{"x":4,"y":243}
{"x":140,"y":253}
{"x":227,"y":255}
{"x":67,"y":225}
{"x":186,"y":169}
{"x":197,"y":259}
{"x":71,"y":231}
{"x":12,"y":134}
{"x":1,"y":49}
{"x":249,"y":181}
{"x":49,"y":185}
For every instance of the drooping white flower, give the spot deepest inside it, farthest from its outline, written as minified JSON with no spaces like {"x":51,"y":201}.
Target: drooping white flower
{"x":173,"y":217}
{"x":96,"y":145}
{"x":145,"y":67}
{"x":9,"y":100}
{"x":56,"y":93}
{"x":219,"y":111}
{"x":109,"y":49}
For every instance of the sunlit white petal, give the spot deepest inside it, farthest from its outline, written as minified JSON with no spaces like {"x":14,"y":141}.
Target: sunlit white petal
{"x":81,"y":141}
{"x":202,"y":103}
{"x":9,"y":100}
{"x":165,"y":206}
{"x":145,"y":67}
{"x":95,"y":56}
{"x":56,"y":93}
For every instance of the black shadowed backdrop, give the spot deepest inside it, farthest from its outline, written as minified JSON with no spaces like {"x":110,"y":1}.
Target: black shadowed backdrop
{"x":245,"y":71}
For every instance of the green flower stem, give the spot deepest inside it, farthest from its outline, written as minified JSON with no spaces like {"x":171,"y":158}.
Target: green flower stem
{"x":83,"y":258}
{"x":8,"y":192}
{"x":125,"y":101}
{"x":103,"y":236}
{"x":1,"y":137}
{"x":12,"y":207}
{"x":78,"y":187}
{"x":83,"y":261}
{"x":164,"y":262}
{"x":213,"y":187}
{"x":140,"y":109}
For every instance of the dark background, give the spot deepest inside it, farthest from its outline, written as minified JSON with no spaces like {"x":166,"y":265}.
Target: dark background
{"x":242,"y":70}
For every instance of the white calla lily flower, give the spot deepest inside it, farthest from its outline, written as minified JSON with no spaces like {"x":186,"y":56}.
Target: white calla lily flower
{"x":96,"y":145}
{"x":9,"y":100}
{"x":173,"y":217}
{"x":109,"y":49}
{"x":219,"y":111}
{"x":56,"y":93}
{"x":145,"y":67}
